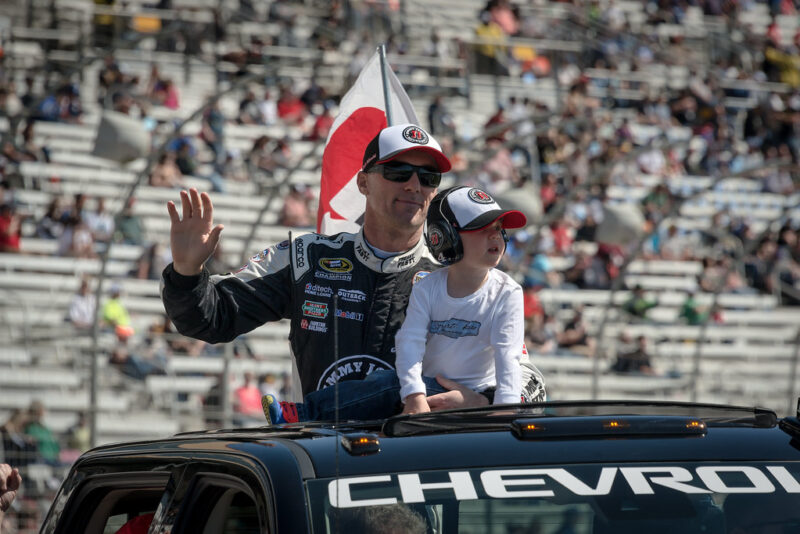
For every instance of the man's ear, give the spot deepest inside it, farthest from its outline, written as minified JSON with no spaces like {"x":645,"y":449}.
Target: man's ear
{"x":361,"y":181}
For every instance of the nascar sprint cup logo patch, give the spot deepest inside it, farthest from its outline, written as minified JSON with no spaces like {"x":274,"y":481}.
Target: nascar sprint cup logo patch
{"x":336,"y":265}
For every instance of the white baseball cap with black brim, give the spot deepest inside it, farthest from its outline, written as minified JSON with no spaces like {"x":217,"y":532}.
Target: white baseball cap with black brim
{"x":394,"y":141}
{"x":470,"y":208}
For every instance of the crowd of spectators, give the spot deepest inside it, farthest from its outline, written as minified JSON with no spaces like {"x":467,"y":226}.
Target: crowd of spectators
{"x":620,"y":124}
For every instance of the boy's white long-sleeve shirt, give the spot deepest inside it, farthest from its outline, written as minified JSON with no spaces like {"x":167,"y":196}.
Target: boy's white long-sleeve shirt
{"x":476,"y":340}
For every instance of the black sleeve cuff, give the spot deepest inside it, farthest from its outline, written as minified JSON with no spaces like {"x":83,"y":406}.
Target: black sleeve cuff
{"x":184,"y":282}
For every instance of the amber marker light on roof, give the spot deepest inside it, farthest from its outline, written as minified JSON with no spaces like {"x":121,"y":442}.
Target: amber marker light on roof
{"x":361,"y":444}
{"x":615,"y":425}
{"x":609,"y":427}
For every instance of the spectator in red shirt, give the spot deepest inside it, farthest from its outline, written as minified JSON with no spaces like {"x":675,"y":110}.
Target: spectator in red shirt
{"x":10,"y":228}
{"x":562,"y":237}
{"x":549,"y":191}
{"x":248,"y":397}
{"x":290,"y":107}
{"x":321,"y":126}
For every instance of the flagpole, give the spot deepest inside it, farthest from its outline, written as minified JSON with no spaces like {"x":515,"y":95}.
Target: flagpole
{"x":385,"y":77}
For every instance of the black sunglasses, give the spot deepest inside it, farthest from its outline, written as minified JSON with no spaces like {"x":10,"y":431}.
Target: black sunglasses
{"x":402,"y":172}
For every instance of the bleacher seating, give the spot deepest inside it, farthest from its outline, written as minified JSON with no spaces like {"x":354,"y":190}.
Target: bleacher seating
{"x":742,"y":360}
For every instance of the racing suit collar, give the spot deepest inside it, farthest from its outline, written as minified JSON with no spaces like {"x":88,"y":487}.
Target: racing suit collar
{"x":393,"y":264}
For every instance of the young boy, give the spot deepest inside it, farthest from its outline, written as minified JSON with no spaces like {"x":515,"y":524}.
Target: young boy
{"x":464,"y":322}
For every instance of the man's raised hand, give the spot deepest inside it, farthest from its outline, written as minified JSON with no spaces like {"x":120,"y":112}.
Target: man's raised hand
{"x":193,"y":237}
{"x":10,"y":481}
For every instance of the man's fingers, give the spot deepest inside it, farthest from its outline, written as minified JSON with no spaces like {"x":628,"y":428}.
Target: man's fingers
{"x":213,"y":237}
{"x":15,"y":480}
{"x":197,"y":209}
{"x":173,"y":212}
{"x":186,"y":204}
{"x":208,"y":208}
{"x":440,"y":401}
{"x":5,"y":474}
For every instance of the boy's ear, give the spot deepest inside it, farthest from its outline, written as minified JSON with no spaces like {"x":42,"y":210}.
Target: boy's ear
{"x":361,"y":181}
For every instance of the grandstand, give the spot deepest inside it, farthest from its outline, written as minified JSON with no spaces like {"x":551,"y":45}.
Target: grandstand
{"x":683,"y":111}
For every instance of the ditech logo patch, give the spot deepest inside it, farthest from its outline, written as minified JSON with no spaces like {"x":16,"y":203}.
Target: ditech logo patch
{"x":315,"y":309}
{"x":336,"y":265}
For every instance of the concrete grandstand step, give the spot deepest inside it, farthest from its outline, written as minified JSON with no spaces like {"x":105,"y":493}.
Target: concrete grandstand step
{"x":161,"y":385}
{"x":69,"y":283}
{"x":119,"y":251}
{"x":612,"y":383}
{"x":600,"y":297}
{"x":14,"y":356}
{"x":727,"y":351}
{"x":140,"y":424}
{"x":215,"y":365}
{"x":774,"y":333}
{"x":10,"y":262}
{"x":41,"y":377}
{"x":66,"y":401}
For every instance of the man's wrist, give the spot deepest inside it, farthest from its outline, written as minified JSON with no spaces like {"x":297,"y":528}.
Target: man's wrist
{"x":182,"y":281}
{"x":412,"y":397}
{"x":187,"y":270}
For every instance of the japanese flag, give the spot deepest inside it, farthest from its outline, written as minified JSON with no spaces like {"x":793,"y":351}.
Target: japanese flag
{"x":362,"y":114}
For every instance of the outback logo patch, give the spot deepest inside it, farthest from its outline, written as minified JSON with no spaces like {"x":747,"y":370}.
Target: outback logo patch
{"x":419,"y":276}
{"x":283,"y":245}
{"x":455,"y":328}
{"x":318,"y":291}
{"x":313,"y":326}
{"x":315,"y":309}
{"x":481,"y":197}
{"x":352,"y":295}
{"x":355,"y":316}
{"x":336,"y":265}
{"x":351,"y":368}
{"x":414,"y":134}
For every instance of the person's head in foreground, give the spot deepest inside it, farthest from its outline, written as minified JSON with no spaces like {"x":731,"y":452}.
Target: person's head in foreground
{"x":401,"y":169}
{"x":467,"y":225}
{"x":387,"y":519}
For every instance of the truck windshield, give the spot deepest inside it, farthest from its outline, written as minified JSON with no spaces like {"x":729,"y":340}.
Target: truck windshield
{"x":746,"y":498}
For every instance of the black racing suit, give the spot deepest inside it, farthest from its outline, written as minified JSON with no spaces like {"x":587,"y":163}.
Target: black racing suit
{"x":298,"y":281}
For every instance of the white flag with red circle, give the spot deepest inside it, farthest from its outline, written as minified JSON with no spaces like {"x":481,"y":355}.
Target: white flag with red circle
{"x":362,"y":114}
